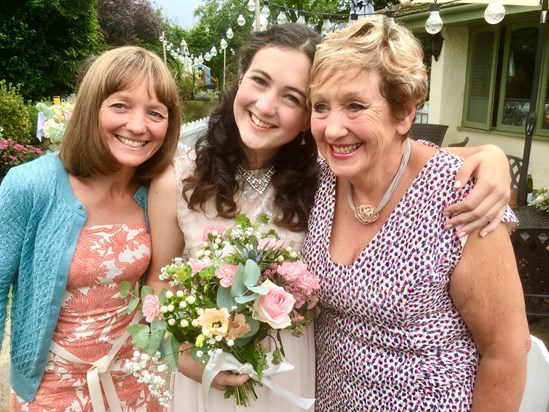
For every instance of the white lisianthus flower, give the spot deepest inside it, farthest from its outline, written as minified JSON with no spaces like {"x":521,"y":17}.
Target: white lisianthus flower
{"x":179,"y":294}
{"x":169,"y":294}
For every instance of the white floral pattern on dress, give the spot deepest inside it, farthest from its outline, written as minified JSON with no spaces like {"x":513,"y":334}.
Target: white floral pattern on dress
{"x":92,"y":317}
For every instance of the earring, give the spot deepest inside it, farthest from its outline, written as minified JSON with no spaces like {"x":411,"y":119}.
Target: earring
{"x":303,"y":142}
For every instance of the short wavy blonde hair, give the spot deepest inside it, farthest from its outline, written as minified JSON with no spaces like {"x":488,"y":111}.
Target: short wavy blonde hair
{"x":83,"y":152}
{"x":373,"y":44}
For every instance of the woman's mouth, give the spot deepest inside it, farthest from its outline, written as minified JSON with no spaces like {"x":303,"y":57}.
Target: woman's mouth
{"x":260,"y":123}
{"x":345,"y":149}
{"x":131,"y":143}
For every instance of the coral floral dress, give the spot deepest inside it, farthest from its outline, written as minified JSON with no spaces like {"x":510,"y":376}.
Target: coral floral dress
{"x":91,"y":326}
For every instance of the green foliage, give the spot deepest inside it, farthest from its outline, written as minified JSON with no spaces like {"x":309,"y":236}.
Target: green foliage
{"x":197,"y":109}
{"x":14,"y":118}
{"x":43,"y":43}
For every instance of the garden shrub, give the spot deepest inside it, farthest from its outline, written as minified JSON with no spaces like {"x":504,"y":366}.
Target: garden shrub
{"x":197,"y":109}
{"x":14,"y":117}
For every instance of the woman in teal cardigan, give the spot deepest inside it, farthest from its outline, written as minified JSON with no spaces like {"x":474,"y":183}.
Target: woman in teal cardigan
{"x":73,"y":226}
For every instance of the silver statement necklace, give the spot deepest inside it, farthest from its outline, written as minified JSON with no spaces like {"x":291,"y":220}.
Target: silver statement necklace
{"x":367,"y":214}
{"x":259,"y":182}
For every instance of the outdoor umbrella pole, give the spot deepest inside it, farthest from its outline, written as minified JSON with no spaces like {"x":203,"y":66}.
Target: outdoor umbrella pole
{"x":531,"y":120}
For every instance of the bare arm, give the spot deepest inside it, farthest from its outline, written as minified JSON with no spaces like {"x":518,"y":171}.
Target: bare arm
{"x":167,"y":240}
{"x":486,"y":289}
{"x":484,"y":206}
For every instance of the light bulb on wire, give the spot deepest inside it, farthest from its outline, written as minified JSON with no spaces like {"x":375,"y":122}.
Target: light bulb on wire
{"x":241,"y":21}
{"x":326,"y":25}
{"x":265,"y":12}
{"x":301,"y":18}
{"x":282,"y":18}
{"x":433,"y":25}
{"x":251,"y":5}
{"x":390,"y":14}
{"x":494,"y":13}
{"x":230,"y":33}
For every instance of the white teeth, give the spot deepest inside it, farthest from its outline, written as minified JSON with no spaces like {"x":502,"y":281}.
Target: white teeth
{"x":131,"y":143}
{"x":259,"y":123}
{"x":346,"y":149}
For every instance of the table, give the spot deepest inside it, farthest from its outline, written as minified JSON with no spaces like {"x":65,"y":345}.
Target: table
{"x":531,"y":244}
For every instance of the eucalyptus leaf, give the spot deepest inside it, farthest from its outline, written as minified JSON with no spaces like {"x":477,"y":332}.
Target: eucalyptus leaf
{"x":224,"y":298}
{"x":252,"y":272}
{"x":133,"y":304}
{"x":261,"y":290}
{"x":139,"y":334}
{"x":246,"y":298}
{"x":197,"y":351}
{"x":155,"y":341}
{"x":237,"y":287}
{"x":170,"y":349}
{"x":125,"y":287}
{"x":146,"y":291}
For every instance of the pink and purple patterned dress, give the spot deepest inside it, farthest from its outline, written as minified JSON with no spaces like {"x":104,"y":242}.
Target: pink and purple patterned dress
{"x":388,"y":337}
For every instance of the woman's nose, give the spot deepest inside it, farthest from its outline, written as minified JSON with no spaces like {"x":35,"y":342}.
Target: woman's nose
{"x":267,"y":103}
{"x":136,"y":122}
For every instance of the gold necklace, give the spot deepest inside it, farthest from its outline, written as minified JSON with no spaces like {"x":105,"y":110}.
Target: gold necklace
{"x":367,"y":214}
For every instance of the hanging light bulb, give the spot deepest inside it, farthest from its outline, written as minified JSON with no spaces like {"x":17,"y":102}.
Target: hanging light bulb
{"x":251,"y":5}
{"x":223,"y":44}
{"x":433,"y":25}
{"x":207,"y":57}
{"x":326,"y":25}
{"x":494,"y":13}
{"x":282,"y":18}
{"x":230,"y":33}
{"x":213,"y":51}
{"x":390,"y":14}
{"x":241,"y":21}
{"x":265,"y":12}
{"x":301,"y":18}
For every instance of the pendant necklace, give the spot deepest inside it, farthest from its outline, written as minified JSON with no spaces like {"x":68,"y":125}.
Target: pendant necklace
{"x":259,"y":182}
{"x":367,"y":214}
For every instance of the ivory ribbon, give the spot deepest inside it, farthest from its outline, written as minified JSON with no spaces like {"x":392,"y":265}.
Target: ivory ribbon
{"x":223,"y":361}
{"x":99,"y":377}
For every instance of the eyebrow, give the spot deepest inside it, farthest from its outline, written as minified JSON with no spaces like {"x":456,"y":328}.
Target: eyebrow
{"x":294,"y":89}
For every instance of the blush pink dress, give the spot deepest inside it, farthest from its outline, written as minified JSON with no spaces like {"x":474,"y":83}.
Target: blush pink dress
{"x":92,"y":323}
{"x":299,"y":351}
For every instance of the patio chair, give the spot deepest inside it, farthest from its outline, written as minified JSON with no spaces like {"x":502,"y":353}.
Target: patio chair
{"x":536,"y":394}
{"x":427,"y":131}
{"x":463,"y":143}
{"x":515,"y":168}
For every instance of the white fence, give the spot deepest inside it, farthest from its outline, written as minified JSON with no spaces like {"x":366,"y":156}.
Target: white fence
{"x":190,"y":132}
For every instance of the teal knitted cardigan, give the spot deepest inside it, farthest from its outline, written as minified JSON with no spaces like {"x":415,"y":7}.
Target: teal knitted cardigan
{"x":40,"y":222}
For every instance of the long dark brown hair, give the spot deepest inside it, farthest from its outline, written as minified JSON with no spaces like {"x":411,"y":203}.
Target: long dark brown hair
{"x":220,"y":150}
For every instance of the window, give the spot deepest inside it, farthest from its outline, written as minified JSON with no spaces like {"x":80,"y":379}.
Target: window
{"x":500,"y":78}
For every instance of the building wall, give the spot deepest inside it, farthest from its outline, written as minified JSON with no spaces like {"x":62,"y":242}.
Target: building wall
{"x":446,"y":106}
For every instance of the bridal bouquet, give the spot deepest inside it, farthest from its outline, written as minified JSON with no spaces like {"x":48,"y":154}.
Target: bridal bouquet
{"x":241,"y":287}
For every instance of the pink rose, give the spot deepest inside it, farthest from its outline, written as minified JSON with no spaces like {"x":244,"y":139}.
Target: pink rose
{"x":151,"y":308}
{"x":198,"y":264}
{"x":274,"y":307}
{"x":270,"y":243}
{"x":226,"y":273}
{"x":211,"y":229}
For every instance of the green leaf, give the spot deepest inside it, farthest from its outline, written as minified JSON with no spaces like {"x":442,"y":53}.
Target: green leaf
{"x":204,"y":358}
{"x":146,"y":291}
{"x":139,"y":334}
{"x":246,"y":298}
{"x":170,"y":349}
{"x":133,"y":304}
{"x":237,"y":287}
{"x":261,"y":290}
{"x":125,"y":287}
{"x":155,"y":340}
{"x":251,"y":273}
{"x":224,"y":299}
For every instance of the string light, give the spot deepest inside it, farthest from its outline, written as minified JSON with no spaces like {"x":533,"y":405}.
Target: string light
{"x":433,"y":24}
{"x":241,"y":21}
{"x":282,"y":18}
{"x":251,"y":5}
{"x":265,"y":12}
{"x":326,"y":25}
{"x":230,"y":33}
{"x":390,"y":14}
{"x":301,"y":18}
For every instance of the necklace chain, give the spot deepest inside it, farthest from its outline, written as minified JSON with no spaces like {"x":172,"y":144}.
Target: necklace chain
{"x":367,"y":214}
{"x":257,"y":183}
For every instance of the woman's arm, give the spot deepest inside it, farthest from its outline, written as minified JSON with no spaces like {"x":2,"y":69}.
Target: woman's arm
{"x":486,"y":289}
{"x":484,"y":206}
{"x":168,"y":241}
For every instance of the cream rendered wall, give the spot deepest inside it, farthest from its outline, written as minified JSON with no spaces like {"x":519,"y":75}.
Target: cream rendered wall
{"x":446,"y":106}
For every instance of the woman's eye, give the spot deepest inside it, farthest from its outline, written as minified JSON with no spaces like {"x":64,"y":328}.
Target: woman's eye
{"x":118,"y":106}
{"x":293,"y":99}
{"x":320,"y":107}
{"x":158,"y":116}
{"x":259,"y":81}
{"x":355,"y":107}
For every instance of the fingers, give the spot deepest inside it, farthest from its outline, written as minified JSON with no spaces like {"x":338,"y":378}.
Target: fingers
{"x":225,"y":378}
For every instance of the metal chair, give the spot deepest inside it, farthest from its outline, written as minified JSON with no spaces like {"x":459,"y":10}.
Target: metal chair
{"x":433,"y":133}
{"x":515,"y":169}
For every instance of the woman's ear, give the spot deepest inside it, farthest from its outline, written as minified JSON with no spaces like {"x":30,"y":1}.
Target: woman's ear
{"x":405,"y":124}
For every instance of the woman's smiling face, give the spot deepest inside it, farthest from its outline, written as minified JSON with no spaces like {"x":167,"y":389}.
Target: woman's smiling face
{"x":270,"y":105}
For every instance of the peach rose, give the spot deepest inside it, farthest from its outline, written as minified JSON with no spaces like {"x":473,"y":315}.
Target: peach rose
{"x":274,"y":307}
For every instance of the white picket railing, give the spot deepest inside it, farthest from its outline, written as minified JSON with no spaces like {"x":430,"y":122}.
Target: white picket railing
{"x":190,"y":132}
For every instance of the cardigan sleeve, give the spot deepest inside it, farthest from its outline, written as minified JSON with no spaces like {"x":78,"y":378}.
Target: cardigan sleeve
{"x":15,"y":207}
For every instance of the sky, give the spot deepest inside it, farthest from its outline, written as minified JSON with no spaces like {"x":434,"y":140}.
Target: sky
{"x":180,"y":11}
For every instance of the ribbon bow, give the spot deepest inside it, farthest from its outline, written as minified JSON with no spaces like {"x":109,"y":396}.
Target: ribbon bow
{"x":223,"y":361}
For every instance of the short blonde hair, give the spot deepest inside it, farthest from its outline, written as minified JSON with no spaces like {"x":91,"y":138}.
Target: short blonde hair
{"x":373,"y":44}
{"x":83,"y":152}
